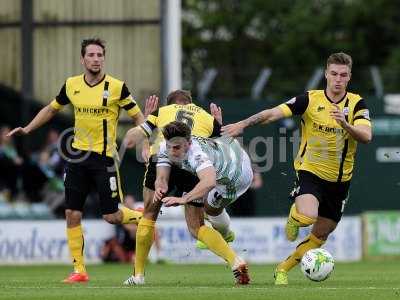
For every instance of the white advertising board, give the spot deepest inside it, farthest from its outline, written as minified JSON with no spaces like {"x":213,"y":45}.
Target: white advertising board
{"x":259,"y":240}
{"x":24,"y":242}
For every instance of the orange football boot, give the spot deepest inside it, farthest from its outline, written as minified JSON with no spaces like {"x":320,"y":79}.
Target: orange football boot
{"x":76,"y":277}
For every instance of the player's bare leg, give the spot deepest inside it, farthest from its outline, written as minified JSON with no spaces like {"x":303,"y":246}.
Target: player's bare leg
{"x":323,"y":228}
{"x":194,"y":218}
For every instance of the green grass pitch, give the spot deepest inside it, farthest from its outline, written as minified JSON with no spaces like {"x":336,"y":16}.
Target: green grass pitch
{"x":363,"y":280}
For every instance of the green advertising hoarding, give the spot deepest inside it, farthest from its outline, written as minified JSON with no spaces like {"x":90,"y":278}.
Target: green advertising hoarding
{"x":381,"y":233}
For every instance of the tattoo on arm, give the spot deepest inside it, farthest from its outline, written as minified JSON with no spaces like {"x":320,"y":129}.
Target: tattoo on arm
{"x":255,"y":119}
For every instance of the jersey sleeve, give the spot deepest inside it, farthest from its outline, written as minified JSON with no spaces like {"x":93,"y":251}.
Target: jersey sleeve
{"x":216,"y":129}
{"x":199,"y":160}
{"x":162,"y":156}
{"x":127,"y":102}
{"x":361,"y":114}
{"x":295,"y":106}
{"x":61,"y":99}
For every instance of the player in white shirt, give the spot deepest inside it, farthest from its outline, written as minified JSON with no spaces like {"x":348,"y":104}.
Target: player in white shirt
{"x":221,"y":164}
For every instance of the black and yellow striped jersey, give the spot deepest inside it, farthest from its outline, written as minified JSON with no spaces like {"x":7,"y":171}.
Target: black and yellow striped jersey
{"x":200,"y":121}
{"x":326,"y":149}
{"x":96,"y":110}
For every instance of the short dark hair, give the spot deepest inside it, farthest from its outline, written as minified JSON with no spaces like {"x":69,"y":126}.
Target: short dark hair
{"x":92,"y":41}
{"x":181,"y":96}
{"x":340,"y":58}
{"x":176,"y":129}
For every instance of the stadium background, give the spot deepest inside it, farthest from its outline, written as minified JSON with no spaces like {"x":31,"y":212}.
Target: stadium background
{"x":243,"y":55}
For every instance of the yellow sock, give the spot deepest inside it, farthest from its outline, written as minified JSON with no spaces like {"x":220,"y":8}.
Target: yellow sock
{"x":310,"y":242}
{"x":299,"y":219}
{"x":216,"y":243}
{"x":76,"y":244}
{"x":130,"y":216}
{"x":144,"y":240}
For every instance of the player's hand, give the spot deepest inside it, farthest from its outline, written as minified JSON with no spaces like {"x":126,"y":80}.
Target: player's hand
{"x":233,"y":130}
{"x":18,"y":131}
{"x":337,"y":114}
{"x":159,"y":192}
{"x":151,"y":105}
{"x":216,"y":112}
{"x":173,"y":201}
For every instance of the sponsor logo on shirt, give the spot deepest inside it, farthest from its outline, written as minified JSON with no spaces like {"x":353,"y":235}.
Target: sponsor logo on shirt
{"x":365,"y":114}
{"x":91,"y":111}
{"x":327,"y":129}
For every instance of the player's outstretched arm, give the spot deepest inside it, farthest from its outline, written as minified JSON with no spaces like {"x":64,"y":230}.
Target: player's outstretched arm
{"x":43,"y":116}
{"x":161,"y":183}
{"x":207,"y":182}
{"x":263,"y":117}
{"x":138,"y":118}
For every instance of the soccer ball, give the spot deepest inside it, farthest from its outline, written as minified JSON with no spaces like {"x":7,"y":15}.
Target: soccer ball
{"x":317,"y":264}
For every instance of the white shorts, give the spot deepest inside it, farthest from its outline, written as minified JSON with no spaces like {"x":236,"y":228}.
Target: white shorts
{"x":223,"y":195}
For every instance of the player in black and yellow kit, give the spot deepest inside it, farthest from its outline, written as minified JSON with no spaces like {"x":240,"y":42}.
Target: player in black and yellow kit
{"x":179,"y":108}
{"x":97,"y":99}
{"x":332,"y":122}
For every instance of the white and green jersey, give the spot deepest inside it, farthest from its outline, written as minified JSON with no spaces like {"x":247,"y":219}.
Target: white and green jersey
{"x":230,"y":161}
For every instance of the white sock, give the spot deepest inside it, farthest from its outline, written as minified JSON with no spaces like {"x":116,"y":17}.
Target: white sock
{"x":221,"y":223}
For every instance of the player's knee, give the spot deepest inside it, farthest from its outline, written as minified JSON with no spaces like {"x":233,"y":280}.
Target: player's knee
{"x":73,"y":217}
{"x":310,"y":212}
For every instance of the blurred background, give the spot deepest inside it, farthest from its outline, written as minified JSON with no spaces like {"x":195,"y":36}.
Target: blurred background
{"x":243,"y":55}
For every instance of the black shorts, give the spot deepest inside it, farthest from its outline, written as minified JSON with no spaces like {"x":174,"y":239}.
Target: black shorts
{"x":332,"y":196}
{"x":180,"y":181}
{"x":94,"y":173}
